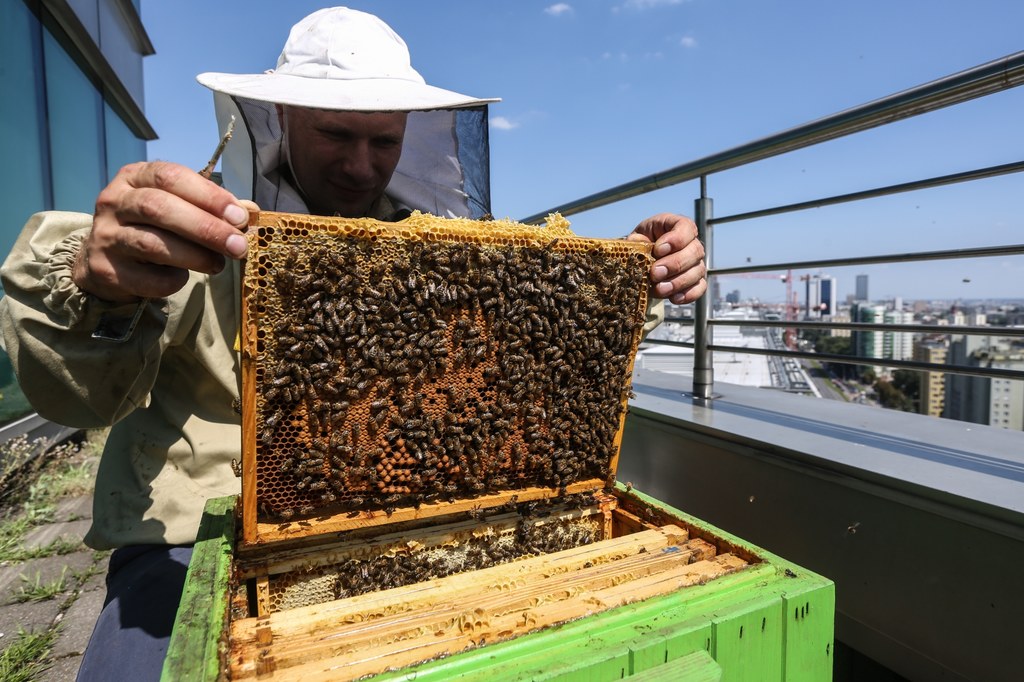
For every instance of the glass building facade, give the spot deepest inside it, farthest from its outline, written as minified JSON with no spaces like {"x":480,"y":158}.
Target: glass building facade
{"x":72,"y":115}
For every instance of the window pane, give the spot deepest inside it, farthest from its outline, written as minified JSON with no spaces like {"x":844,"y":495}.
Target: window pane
{"x":87,"y":13}
{"x":118,"y":45}
{"x":122,"y":145}
{"x":13,"y":403}
{"x":76,"y":131}
{"x":23,"y":173}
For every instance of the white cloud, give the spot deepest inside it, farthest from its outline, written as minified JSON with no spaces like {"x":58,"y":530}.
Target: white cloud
{"x":688,"y":42}
{"x":558,"y":9}
{"x":502,"y":123}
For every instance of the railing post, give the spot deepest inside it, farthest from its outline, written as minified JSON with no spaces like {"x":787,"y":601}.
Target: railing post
{"x":703,"y":370}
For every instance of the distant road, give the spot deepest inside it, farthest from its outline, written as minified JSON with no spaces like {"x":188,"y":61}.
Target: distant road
{"x":826,"y":388}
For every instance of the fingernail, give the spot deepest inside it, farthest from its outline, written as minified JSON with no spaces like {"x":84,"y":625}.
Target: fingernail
{"x":236,"y":215}
{"x":662,"y":249}
{"x":660,"y":272}
{"x":236,"y":245}
{"x":663,"y":288}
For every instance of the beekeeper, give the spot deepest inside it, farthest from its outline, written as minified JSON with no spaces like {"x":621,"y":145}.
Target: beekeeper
{"x":128,"y":317}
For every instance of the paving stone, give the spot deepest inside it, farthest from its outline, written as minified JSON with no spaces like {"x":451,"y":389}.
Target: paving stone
{"x":48,"y":569}
{"x":61,"y":670}
{"x":77,"y":624}
{"x":97,"y":581}
{"x":73,"y":509}
{"x":68,"y":531}
{"x":30,"y":616}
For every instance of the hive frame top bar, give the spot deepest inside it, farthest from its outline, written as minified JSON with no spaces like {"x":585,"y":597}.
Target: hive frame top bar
{"x":398,"y":371}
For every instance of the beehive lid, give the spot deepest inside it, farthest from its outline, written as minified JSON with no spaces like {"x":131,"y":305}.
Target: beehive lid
{"x":393,"y":371}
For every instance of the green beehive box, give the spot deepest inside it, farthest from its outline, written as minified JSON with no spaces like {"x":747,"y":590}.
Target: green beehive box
{"x":431,"y":419}
{"x":769,"y":620}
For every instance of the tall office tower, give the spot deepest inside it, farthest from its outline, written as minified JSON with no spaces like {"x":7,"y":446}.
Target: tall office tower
{"x":829,"y":295}
{"x":812,"y":297}
{"x":862,"y":288}
{"x":895,"y":344}
{"x":933,"y":384}
{"x":982,"y":400}
{"x":868,"y":344}
{"x":820,"y":297}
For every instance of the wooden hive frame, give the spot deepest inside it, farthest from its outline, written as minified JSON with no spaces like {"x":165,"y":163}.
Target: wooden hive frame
{"x":535,"y":327}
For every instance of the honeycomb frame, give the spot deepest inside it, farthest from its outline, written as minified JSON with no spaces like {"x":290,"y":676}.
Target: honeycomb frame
{"x":402,"y":370}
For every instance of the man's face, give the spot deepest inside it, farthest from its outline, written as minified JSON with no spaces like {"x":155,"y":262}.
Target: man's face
{"x":342,"y":161}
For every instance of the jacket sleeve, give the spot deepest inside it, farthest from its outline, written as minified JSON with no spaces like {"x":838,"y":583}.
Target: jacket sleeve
{"x":80,"y":361}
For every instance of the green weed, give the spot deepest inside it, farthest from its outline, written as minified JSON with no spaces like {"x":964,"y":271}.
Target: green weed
{"x":39,"y":591}
{"x":26,"y":658}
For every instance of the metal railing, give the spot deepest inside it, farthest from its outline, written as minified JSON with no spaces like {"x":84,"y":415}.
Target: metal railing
{"x":986,"y":79}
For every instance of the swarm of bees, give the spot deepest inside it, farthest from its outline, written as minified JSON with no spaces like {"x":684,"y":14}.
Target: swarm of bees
{"x":398,"y":371}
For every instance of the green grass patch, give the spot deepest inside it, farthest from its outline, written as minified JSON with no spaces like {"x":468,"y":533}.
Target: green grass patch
{"x":40,"y":591}
{"x":26,"y":657}
{"x":66,"y":479}
{"x":12,"y":532}
{"x":17,"y":554}
{"x":34,"y":478}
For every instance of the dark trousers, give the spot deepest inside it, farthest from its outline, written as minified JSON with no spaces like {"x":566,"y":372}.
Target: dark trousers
{"x":129,"y":642}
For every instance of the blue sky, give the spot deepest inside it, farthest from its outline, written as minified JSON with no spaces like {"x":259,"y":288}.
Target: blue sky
{"x":597,"y":93}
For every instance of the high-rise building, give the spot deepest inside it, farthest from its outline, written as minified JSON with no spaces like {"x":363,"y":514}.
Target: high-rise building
{"x":868,"y":344}
{"x":983,"y":400}
{"x":896,"y":344}
{"x":820,"y":297}
{"x":977,"y":317}
{"x":933,"y":384}
{"x":862,"y":288}
{"x":840,"y":318}
{"x":829,"y":295}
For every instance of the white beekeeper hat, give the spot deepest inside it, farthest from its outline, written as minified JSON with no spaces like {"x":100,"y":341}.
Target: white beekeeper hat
{"x":342,"y":59}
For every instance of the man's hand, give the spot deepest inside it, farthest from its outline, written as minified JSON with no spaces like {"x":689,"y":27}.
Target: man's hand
{"x":153,"y":223}
{"x":679,"y":271}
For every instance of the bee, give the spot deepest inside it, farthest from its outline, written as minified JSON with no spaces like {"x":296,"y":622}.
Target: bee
{"x":377,"y":421}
